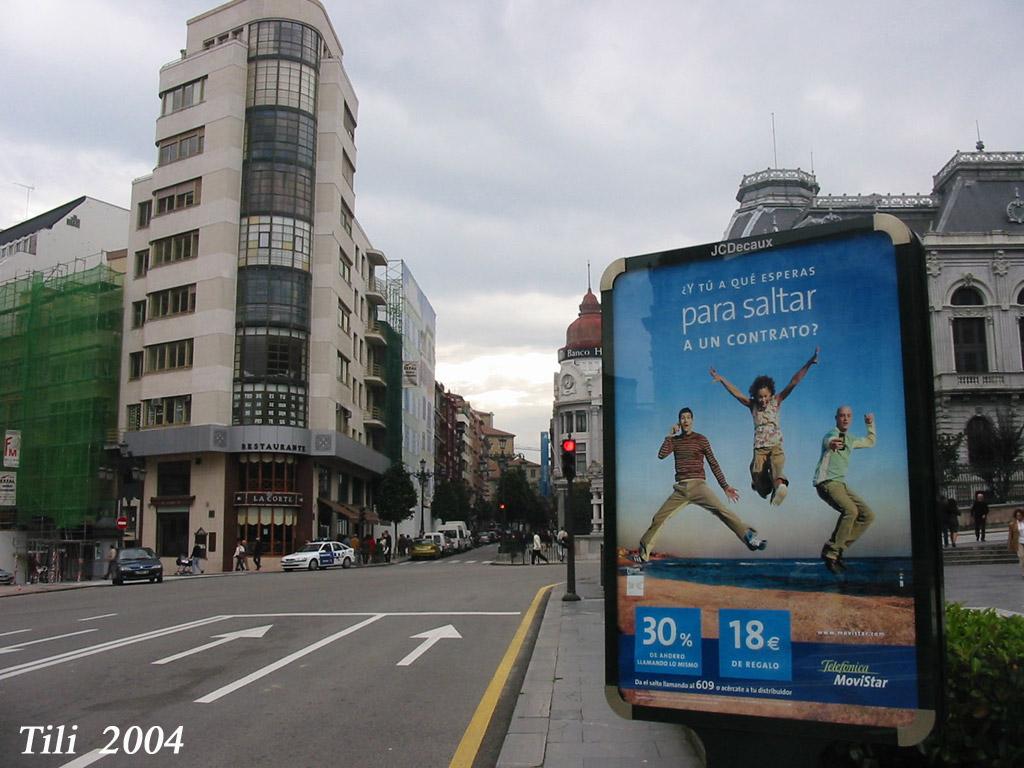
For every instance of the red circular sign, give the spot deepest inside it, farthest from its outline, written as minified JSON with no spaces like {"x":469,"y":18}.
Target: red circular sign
{"x":122,"y":523}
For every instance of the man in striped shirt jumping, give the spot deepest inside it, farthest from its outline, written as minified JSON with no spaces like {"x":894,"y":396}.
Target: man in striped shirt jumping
{"x":690,"y":450}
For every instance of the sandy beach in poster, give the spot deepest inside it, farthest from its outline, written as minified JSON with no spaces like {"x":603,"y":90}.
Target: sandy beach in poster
{"x":815,"y":617}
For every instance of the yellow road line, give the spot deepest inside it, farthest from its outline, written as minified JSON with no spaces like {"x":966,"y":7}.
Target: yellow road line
{"x":474,"y":735}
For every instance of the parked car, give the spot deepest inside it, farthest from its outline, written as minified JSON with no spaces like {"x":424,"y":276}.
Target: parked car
{"x":319,"y":554}
{"x":425,"y":549}
{"x":134,"y":564}
{"x":457,"y":537}
{"x":6,"y":577}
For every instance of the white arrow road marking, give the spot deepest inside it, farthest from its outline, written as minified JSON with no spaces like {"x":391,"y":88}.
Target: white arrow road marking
{"x":13,"y":648}
{"x":430,"y":637}
{"x":101,"y":616}
{"x":14,"y":632}
{"x":232,"y":687}
{"x":227,"y":637}
{"x":61,"y":658}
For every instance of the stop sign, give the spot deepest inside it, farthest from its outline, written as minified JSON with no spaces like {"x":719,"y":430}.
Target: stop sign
{"x":122,"y":523}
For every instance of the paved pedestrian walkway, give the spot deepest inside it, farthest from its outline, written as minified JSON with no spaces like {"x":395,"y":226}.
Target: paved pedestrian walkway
{"x":562,"y":719}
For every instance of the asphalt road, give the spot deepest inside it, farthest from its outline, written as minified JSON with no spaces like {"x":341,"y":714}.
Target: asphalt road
{"x":327,"y":670}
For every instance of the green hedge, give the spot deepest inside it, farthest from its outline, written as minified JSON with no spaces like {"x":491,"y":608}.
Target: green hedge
{"x":984,"y":701}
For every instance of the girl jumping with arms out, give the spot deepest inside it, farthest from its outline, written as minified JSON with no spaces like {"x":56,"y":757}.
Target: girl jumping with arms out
{"x":767,"y":468}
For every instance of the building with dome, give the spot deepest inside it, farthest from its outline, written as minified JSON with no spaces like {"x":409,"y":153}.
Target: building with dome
{"x":577,"y":413}
{"x":971,"y":224}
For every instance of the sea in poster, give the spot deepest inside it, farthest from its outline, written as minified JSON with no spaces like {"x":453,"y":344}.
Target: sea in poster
{"x":707,"y":623}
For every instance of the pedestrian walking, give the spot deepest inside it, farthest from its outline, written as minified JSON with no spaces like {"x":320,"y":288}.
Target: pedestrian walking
{"x":367,"y":540}
{"x":198,"y":555}
{"x":356,"y":546}
{"x":562,"y":540}
{"x":950,"y":521}
{"x":257,"y":553}
{"x":1016,"y":540}
{"x":979,"y":513}
{"x":385,"y":541}
{"x":111,"y":557}
{"x":240,"y":556}
{"x":535,"y":552}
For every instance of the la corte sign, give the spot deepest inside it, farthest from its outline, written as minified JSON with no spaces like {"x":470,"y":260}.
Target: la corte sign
{"x":267,"y":498}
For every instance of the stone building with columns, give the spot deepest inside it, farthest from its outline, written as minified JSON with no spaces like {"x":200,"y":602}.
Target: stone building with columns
{"x":971,"y":224}
{"x":578,"y":413}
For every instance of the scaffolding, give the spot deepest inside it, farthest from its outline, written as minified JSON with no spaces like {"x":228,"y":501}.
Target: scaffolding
{"x":60,"y":352}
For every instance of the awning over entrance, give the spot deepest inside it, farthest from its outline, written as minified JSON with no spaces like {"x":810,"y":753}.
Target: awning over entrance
{"x":351,"y":513}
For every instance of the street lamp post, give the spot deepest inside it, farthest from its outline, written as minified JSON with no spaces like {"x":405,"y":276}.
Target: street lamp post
{"x":422,"y":476}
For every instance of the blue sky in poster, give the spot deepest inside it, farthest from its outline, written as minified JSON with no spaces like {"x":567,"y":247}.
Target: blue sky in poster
{"x":762,"y":312}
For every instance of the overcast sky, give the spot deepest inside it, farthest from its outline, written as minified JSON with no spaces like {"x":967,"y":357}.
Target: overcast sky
{"x":502,"y":145}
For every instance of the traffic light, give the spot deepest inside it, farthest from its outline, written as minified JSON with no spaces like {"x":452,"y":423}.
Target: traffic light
{"x":569,"y":458}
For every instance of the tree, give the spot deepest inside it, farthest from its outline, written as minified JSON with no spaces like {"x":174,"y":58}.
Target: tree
{"x":396,"y":496}
{"x":947,"y":455}
{"x":521,"y":504}
{"x":451,"y":501}
{"x":997,"y":455}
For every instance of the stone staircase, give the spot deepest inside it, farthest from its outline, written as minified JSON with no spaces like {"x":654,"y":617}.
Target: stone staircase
{"x":977,"y":553}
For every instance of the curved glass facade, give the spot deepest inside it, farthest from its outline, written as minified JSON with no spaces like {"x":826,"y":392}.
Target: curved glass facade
{"x":272,"y":315}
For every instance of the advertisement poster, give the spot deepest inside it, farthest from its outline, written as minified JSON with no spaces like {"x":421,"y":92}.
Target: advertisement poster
{"x":762,"y":526}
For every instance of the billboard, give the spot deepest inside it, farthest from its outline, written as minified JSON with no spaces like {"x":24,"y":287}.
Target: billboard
{"x":768,"y":431}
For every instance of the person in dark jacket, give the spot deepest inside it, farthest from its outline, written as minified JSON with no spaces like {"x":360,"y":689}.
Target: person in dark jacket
{"x":257,"y":552}
{"x":979,"y":513}
{"x":950,"y":522}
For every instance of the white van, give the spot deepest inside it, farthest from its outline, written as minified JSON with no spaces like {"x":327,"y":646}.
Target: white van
{"x":457,"y":533}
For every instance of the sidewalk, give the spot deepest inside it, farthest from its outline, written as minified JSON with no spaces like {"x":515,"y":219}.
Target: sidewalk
{"x":562,"y":719}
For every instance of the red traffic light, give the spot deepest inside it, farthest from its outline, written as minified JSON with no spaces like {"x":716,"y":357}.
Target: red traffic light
{"x":569,"y":445}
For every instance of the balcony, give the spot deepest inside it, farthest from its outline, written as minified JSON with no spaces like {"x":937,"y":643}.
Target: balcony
{"x":373,"y":418}
{"x":376,"y":258}
{"x":376,"y":290}
{"x":991,"y":381}
{"x":375,"y":333}
{"x":374,"y":376}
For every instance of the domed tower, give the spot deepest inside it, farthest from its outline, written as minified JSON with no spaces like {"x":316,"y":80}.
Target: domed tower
{"x":577,"y":411}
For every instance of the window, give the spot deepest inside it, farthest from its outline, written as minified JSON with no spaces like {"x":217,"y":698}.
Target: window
{"x":134,"y":365}
{"x":269,"y":403}
{"x":567,"y":422}
{"x":581,"y":459}
{"x":1020,"y":327}
{"x":344,"y":267}
{"x":167,"y":411}
{"x":277,"y":82}
{"x":344,"y":317}
{"x":134,"y":417}
{"x":170,"y":356}
{"x":183,"y":96}
{"x":288,"y":39}
{"x":280,"y":136}
{"x":277,"y":188}
{"x":275,"y":296}
{"x":175,"y":248}
{"x":970,"y":350}
{"x":348,"y":169}
{"x":350,"y":123}
{"x":172,"y":533}
{"x":173,"y":478}
{"x":179,"y":147}
{"x":145,"y":214}
{"x":581,"y":421}
{"x":346,"y":217}
{"x":141,"y":263}
{"x":343,"y":369}
{"x":966,"y":296}
{"x":184,"y":195}
{"x":275,"y":240}
{"x":173,"y":301}
{"x":138,"y":313}
{"x":275,"y":353}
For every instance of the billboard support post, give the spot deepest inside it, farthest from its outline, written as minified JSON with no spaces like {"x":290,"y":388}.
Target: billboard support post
{"x":570,"y":555}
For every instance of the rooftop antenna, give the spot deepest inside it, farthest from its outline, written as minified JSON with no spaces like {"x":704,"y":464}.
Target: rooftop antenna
{"x":28,"y":193}
{"x":980,"y":146}
{"x":812,"y":162}
{"x":588,"y":276}
{"x":775,"y":153}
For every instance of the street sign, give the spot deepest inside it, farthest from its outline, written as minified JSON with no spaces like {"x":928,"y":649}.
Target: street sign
{"x":12,"y":448}
{"x":122,"y":523}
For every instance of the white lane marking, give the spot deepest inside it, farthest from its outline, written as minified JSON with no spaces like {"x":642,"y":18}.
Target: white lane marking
{"x":470,"y":562}
{"x":19,"y":646}
{"x":366,"y":613}
{"x":101,"y":616}
{"x":430,"y":637}
{"x":227,"y":637}
{"x":407,"y":562}
{"x":453,"y":562}
{"x":486,"y":562}
{"x":87,"y":759}
{"x":232,"y":687}
{"x":14,"y":632}
{"x":32,"y":666}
